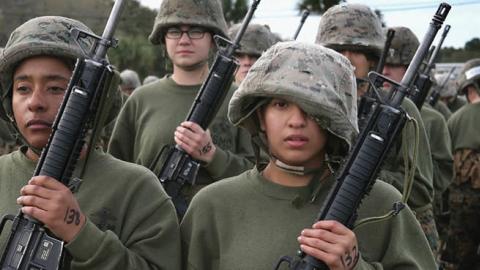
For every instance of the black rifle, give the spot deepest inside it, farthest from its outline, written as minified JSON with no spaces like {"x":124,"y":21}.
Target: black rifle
{"x":180,"y":168}
{"x":435,"y":95}
{"x":365,"y":106}
{"x":305,"y":14}
{"x":360,"y":169}
{"x":30,"y":245}
{"x":423,"y":81}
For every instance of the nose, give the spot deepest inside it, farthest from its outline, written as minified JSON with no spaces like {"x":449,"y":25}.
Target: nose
{"x":184,"y":39}
{"x":386,"y":71}
{"x":298,"y":118}
{"x":36,"y":102}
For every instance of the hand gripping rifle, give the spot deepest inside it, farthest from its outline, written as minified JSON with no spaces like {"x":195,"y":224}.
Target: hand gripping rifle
{"x":359,"y":172}
{"x":30,"y":245}
{"x":180,"y":168}
{"x":423,"y":81}
{"x":365,"y":106}
{"x":305,"y":14}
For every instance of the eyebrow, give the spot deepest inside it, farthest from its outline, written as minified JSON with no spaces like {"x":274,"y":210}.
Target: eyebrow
{"x":53,"y":77}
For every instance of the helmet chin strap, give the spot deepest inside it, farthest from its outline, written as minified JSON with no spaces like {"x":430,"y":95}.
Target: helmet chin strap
{"x":296,"y":170}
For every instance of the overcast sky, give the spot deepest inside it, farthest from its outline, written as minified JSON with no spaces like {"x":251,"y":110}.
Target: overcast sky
{"x":464,"y":17}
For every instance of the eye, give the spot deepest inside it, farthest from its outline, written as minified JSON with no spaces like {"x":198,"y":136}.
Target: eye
{"x":56,"y":89}
{"x":22,"y":89}
{"x":280,"y":103}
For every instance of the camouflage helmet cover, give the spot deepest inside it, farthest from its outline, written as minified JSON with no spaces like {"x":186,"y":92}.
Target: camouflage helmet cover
{"x":205,"y":13}
{"x":351,"y":27}
{"x":403,"y":48}
{"x":256,"y":39}
{"x":450,"y":88}
{"x":130,"y":79}
{"x":319,"y":80}
{"x":469,"y":75}
{"x":48,"y":35}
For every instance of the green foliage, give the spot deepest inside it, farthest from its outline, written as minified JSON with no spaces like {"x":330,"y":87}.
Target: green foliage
{"x":234,"y":10}
{"x":317,"y":6}
{"x":453,"y":55}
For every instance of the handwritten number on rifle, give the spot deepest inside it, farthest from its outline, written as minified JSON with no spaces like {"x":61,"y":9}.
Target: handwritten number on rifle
{"x":71,"y":216}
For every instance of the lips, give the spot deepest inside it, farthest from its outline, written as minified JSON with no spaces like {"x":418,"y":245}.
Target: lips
{"x":38,"y":124}
{"x":296,"y":140}
{"x":184,"y":52}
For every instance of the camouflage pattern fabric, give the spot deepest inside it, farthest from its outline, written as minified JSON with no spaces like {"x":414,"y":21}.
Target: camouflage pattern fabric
{"x":427,"y":222}
{"x":256,"y":39}
{"x":130,"y":79}
{"x":403,"y":47}
{"x":463,"y":244}
{"x":469,"y":74}
{"x":205,"y":13}
{"x":450,"y":87}
{"x":351,"y":27}
{"x":467,"y":168}
{"x":48,"y":35}
{"x":149,"y":79}
{"x":319,"y":80}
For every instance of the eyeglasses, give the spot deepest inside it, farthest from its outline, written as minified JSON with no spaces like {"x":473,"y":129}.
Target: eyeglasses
{"x":192,"y":33}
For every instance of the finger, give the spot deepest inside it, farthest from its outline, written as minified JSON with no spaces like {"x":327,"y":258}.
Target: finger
{"x":35,"y":212}
{"x":185,"y":140}
{"x":331,"y":225}
{"x":321,"y":234}
{"x":331,"y":248}
{"x":35,"y":190}
{"x":46,"y":182}
{"x":184,"y":145}
{"x":33,"y":201}
{"x":193,"y":139}
{"x":325,"y":257}
{"x":192,"y":126}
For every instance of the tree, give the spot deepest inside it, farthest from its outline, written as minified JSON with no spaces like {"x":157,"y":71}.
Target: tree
{"x":317,"y":6}
{"x":234,"y":10}
{"x":473,"y":45}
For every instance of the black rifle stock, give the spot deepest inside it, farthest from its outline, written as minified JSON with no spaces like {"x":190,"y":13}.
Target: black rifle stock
{"x":180,"y":168}
{"x":360,"y":169}
{"x":365,"y":106}
{"x":305,"y":14}
{"x":435,"y":95}
{"x":30,"y":245}
{"x":423,"y":81}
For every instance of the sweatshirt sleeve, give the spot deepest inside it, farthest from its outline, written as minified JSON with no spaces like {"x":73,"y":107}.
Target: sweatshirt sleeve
{"x":148,"y":238}
{"x":122,"y":138}
{"x":225,"y":163}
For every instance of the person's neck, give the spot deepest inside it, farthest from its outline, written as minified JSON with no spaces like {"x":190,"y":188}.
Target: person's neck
{"x":190,"y":77}
{"x":281,"y":177}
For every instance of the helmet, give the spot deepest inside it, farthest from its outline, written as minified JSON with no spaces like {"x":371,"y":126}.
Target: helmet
{"x":404,"y":45}
{"x":49,"y":35}
{"x":319,"y":80}
{"x":205,"y":13}
{"x":130,"y":79}
{"x":470,"y":74}
{"x":449,"y":89}
{"x":256,"y":39}
{"x":351,"y":27}
{"x":149,"y":79}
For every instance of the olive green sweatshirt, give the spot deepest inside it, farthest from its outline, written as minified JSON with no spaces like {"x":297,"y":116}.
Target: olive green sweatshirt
{"x":149,"y":118}
{"x":443,"y":109}
{"x":249,"y":222}
{"x":457,"y":103}
{"x":131,"y":222}
{"x":440,"y":145}
{"x":463,"y":127}
{"x":393,"y":171}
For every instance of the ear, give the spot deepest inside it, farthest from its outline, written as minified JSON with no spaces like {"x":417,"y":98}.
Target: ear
{"x":261,"y":121}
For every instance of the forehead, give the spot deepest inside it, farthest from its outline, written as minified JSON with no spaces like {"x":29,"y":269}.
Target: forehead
{"x":42,"y":66}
